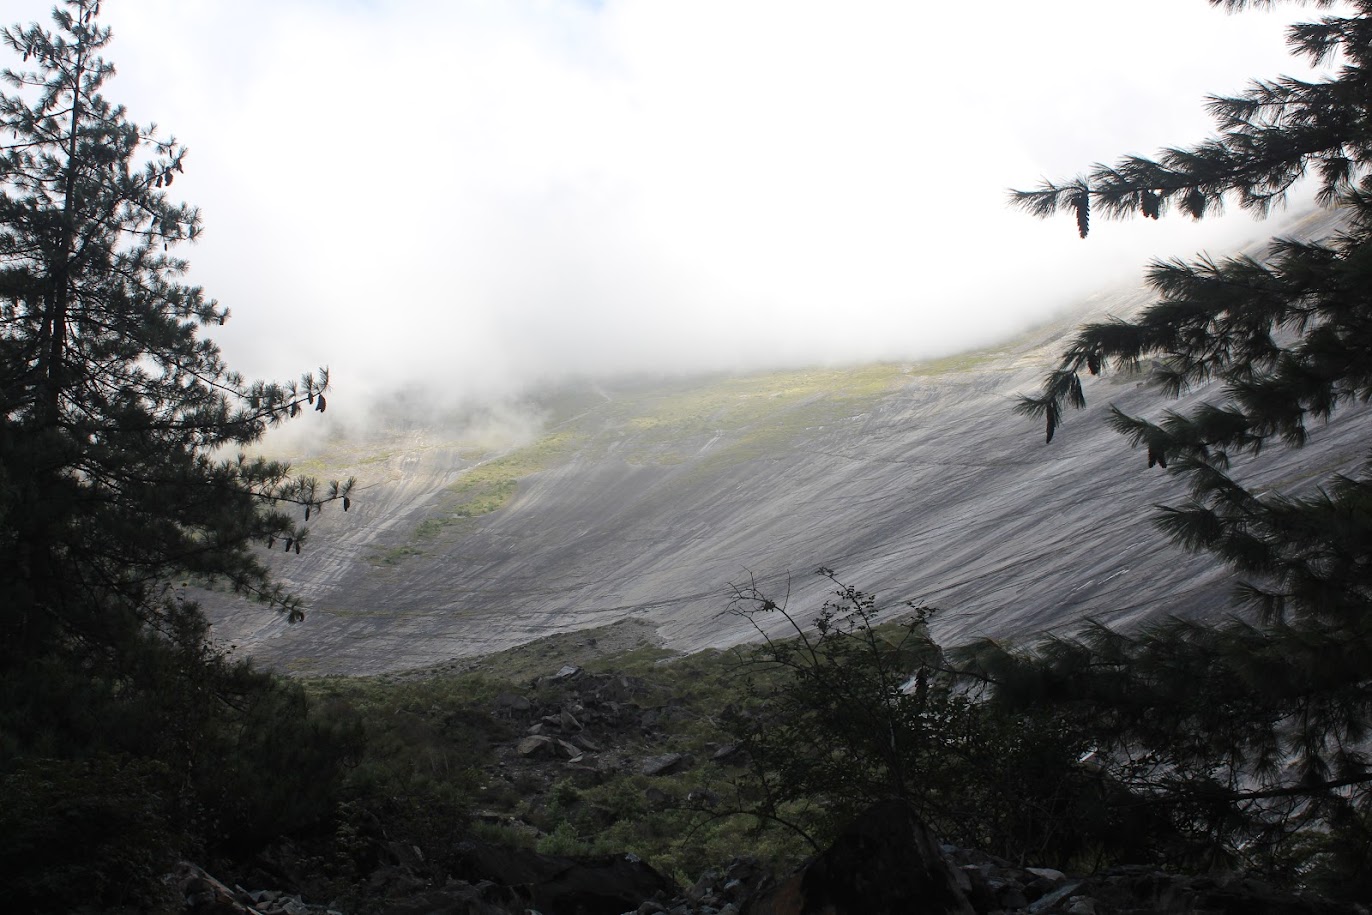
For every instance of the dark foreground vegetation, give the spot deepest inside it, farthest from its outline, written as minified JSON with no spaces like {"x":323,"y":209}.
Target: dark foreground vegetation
{"x":129,"y":741}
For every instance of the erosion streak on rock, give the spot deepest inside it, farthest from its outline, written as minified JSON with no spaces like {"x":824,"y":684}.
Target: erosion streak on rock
{"x":912,"y":481}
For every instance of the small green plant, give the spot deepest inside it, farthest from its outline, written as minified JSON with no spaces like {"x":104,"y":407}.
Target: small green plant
{"x":562,"y":841}
{"x":395,"y":555}
{"x":563,"y":796}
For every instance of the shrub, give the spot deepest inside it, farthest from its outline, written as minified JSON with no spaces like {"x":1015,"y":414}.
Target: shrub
{"x":854,"y":710}
{"x":95,"y":833}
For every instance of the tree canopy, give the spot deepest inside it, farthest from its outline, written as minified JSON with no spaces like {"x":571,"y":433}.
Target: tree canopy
{"x":1249,"y":728}
{"x":1285,"y":339}
{"x":118,"y":410}
{"x":122,"y":479}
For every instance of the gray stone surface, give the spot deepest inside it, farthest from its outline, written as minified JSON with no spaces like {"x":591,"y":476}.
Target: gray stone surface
{"x":934,"y":491}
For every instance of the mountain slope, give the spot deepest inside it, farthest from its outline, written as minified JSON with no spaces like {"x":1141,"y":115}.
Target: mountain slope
{"x":645,"y":500}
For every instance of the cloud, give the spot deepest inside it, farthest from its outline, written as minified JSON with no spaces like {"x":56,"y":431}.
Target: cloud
{"x":474,"y":196}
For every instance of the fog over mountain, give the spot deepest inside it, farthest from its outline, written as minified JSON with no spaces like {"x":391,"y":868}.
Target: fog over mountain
{"x":645,"y":498}
{"x":475,"y":198}
{"x":625,"y":301}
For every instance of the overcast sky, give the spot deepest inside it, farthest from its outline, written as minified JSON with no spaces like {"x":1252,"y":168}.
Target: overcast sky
{"x":472,"y":195}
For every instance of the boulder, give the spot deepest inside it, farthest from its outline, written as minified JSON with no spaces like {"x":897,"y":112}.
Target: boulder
{"x":203,"y":894}
{"x":512,"y":703}
{"x":665,"y":764}
{"x":730,"y":753}
{"x":722,"y":891}
{"x":886,"y":862}
{"x":537,"y":745}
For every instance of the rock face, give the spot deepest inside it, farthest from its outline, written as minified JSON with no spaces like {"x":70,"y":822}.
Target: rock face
{"x":887,"y":862}
{"x":912,"y":481}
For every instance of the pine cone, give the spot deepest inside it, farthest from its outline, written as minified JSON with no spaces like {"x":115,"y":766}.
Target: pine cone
{"x":1194,"y":203}
{"x":1151,"y":203}
{"x":1081,"y":202}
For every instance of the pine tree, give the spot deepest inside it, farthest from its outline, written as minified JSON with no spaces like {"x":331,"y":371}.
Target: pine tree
{"x":121,"y":480}
{"x":117,"y":410}
{"x":1252,"y":728}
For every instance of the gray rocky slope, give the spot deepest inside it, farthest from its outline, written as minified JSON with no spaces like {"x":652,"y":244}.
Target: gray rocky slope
{"x":645,"y":501}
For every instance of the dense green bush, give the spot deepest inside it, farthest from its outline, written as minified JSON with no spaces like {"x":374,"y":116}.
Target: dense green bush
{"x":117,"y":759}
{"x":274,"y":765}
{"x":1241,"y":744}
{"x":98,"y":833}
{"x":1250,"y":734}
{"x":854,"y":710}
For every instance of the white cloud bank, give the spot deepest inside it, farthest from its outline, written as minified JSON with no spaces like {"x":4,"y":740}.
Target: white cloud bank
{"x":474,"y":194}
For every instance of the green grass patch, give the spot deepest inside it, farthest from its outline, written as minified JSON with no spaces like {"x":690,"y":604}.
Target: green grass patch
{"x":731,"y":419}
{"x":395,"y":555}
{"x":748,"y":415}
{"x":959,"y":362}
{"x":482,"y":489}
{"x":498,"y":473}
{"x":432,"y":738}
